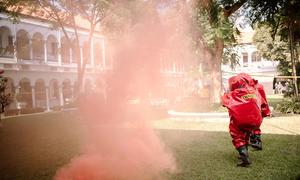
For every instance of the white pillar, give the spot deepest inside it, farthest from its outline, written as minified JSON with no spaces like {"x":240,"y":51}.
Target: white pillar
{"x":47,"y":99}
{"x":59,"y":47}
{"x":72,"y":92}
{"x":249,"y":58}
{"x":15,"y":42}
{"x":45,"y":51}
{"x":92,"y":53}
{"x":241,"y":61}
{"x":61,"y":96}
{"x":71,"y":55}
{"x":17,"y":91}
{"x":174,"y":66}
{"x":103,"y":54}
{"x":81,"y":55}
{"x":33,"y":96}
{"x":30,"y":50}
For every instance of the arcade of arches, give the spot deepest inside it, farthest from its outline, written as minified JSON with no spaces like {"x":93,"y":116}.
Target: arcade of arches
{"x":47,"y":48}
{"x":39,"y":94}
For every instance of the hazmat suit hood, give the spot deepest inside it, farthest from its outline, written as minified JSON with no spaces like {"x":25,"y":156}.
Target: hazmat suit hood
{"x":236,"y":82}
{"x":250,"y":81}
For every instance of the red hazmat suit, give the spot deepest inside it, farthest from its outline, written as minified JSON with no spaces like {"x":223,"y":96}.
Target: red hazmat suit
{"x":247,"y":105}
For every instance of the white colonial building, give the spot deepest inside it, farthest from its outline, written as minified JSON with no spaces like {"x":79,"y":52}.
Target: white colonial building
{"x":249,"y":61}
{"x":41,"y":66}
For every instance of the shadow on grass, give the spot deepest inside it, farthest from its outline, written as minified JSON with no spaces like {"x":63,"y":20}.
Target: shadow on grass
{"x":34,"y":147}
{"x":210,"y":155}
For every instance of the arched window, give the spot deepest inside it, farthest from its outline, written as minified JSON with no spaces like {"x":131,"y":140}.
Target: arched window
{"x":245,"y":59}
{"x":6,"y":42}
{"x":86,"y":53}
{"x":23,"y":46}
{"x":67,"y":92}
{"x":40,"y":93}
{"x":109,"y":57}
{"x":25,"y":95}
{"x":88,"y":86}
{"x":52,"y":48}
{"x":10,"y":89}
{"x":75,"y":87}
{"x":38,"y":47}
{"x":75,"y":52}
{"x":97,"y":54}
{"x":54,"y":89}
{"x":255,"y":57}
{"x":65,"y":51}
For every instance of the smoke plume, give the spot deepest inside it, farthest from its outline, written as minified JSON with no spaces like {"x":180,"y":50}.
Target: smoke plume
{"x":119,"y":142}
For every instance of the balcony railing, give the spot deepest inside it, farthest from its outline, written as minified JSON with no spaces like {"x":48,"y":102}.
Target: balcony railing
{"x":6,"y":52}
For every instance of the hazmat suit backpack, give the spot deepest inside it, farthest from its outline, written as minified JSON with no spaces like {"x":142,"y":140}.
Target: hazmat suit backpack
{"x":244,"y":102}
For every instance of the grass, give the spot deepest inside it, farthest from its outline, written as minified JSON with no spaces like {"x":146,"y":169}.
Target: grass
{"x":210,"y":155}
{"x":34,"y":147}
{"x":275,"y":100}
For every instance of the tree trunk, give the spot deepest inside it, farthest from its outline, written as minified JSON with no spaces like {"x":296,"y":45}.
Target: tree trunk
{"x":217,"y":72}
{"x":294,"y":73}
{"x":81,"y":69}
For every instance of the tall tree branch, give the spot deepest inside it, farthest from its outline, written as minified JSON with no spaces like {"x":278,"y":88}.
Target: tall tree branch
{"x":228,"y":10}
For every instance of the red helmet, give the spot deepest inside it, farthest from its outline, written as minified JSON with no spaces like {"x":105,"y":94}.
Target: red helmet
{"x":236,"y":82}
{"x":1,"y":71}
{"x":250,"y":81}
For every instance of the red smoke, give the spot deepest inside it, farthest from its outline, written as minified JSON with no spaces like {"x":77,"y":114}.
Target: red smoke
{"x":119,"y":142}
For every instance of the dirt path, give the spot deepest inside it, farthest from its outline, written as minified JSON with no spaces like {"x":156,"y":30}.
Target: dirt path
{"x":274,"y":125}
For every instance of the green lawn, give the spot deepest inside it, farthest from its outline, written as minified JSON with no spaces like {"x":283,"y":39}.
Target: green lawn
{"x":275,"y":100}
{"x":34,"y":147}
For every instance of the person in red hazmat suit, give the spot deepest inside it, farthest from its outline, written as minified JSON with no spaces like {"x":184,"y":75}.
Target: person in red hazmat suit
{"x":247,"y":105}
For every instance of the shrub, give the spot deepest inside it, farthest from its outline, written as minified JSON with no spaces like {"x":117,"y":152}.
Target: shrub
{"x":57,"y":108}
{"x":27,"y":111}
{"x":290,"y":90}
{"x":70,"y":105}
{"x":290,"y":105}
{"x":11,"y":112}
{"x":31,"y":110}
{"x":39,"y":109}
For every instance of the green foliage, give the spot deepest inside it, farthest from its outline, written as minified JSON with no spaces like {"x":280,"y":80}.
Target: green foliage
{"x":212,"y":24}
{"x":290,"y":105}
{"x":273,"y":47}
{"x":125,"y":15}
{"x":5,"y":98}
{"x":230,"y":56}
{"x":283,"y":19}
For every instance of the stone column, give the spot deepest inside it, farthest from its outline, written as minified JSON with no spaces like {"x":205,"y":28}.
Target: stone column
{"x":72,"y":93}
{"x":15,"y":42}
{"x":59,"y":48}
{"x":241,"y":60}
{"x":71,"y":55}
{"x":249,"y":58}
{"x":92,"y":53}
{"x":17,"y":91}
{"x":33,"y":96}
{"x":174,"y":67}
{"x":47,"y":99}
{"x":61,"y":96}
{"x":30,"y":50}
{"x":45,"y":51}
{"x":103,"y":55}
{"x":81,"y":54}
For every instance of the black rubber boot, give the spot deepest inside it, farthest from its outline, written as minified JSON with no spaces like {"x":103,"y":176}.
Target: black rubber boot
{"x":244,"y":160}
{"x":255,"y":142}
